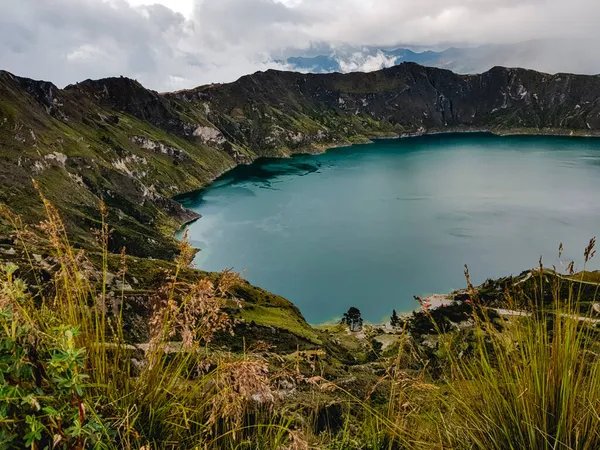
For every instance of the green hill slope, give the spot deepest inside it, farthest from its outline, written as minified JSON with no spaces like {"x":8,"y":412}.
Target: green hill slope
{"x":135,"y":149}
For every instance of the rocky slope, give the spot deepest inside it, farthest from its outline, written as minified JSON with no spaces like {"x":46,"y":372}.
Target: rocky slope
{"x":134,"y":148}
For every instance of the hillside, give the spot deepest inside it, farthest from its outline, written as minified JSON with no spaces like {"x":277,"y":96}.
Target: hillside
{"x":139,"y":350}
{"x":510,"y":364}
{"x":112,"y":139}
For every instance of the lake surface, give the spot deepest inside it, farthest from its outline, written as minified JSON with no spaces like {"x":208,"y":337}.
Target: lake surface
{"x":372,"y":225}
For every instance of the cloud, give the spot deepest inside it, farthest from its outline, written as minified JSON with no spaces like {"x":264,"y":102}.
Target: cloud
{"x":364,"y":62}
{"x":202,"y":41}
{"x":70,"y":40}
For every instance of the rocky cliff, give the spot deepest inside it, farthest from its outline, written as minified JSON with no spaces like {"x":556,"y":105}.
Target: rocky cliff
{"x":134,"y":148}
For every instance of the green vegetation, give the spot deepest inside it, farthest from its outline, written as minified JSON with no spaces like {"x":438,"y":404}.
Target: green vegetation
{"x":226,"y":365}
{"x":353,"y":319}
{"x":101,"y":349}
{"x":586,"y":276}
{"x":114,"y":141}
{"x":281,"y":319}
{"x":534,"y":385}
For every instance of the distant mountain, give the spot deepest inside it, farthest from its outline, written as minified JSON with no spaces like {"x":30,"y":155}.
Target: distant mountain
{"x":315,"y":64}
{"x":365,"y":59}
{"x":551,"y":56}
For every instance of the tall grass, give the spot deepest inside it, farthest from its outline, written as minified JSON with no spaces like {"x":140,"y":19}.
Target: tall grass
{"x":69,"y":379}
{"x":528,"y":381}
{"x":534,"y":383}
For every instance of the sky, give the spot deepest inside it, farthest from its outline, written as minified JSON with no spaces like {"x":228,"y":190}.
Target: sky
{"x":175,"y":44}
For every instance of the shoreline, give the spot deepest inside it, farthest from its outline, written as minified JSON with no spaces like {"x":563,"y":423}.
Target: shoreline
{"x":553,"y":132}
{"x":369,"y":139}
{"x":434,"y":300}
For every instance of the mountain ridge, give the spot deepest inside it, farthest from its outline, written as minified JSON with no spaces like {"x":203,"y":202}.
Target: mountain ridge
{"x":135,"y":149}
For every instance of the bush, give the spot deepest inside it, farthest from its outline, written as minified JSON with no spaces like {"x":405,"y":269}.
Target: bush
{"x":43,"y":385}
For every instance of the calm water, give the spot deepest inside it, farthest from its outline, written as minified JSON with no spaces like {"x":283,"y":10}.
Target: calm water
{"x":372,"y":225}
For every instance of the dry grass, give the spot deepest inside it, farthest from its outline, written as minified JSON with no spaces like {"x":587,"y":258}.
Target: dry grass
{"x":190,"y":398}
{"x":69,"y":379}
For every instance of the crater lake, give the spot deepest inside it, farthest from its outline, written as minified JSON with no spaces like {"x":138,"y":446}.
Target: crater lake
{"x":373,"y":225}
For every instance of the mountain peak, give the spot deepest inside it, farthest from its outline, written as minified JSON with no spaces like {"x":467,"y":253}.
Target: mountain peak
{"x":126,"y":95}
{"x":107,"y":88}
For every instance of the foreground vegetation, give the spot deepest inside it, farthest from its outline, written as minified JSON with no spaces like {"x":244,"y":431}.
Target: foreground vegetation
{"x":458,"y":377}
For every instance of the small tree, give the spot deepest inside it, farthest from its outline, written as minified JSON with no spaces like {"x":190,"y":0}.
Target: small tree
{"x":353,"y":319}
{"x":394,"y":319}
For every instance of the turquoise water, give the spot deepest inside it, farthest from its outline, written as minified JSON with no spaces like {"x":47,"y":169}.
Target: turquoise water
{"x":372,"y":225}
